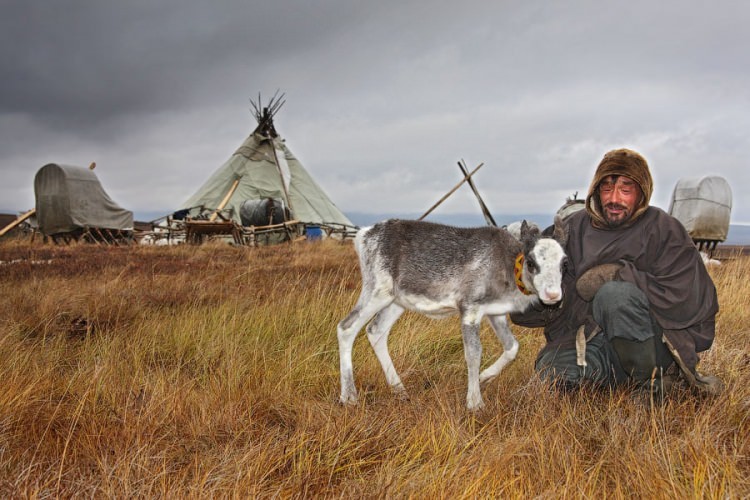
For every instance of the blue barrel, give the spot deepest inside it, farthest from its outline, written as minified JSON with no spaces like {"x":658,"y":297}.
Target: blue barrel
{"x":313,"y":233}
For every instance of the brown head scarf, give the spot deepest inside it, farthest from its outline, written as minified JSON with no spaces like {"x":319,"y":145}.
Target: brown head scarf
{"x":620,"y":162}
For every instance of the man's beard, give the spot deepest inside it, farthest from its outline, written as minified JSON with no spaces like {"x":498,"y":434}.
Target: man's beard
{"x":619,"y":220}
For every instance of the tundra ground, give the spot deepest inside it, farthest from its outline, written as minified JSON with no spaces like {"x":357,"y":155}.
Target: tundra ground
{"x":213,"y":371}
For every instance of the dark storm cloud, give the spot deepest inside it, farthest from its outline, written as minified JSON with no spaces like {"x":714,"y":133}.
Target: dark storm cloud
{"x":382,"y":97}
{"x":86,"y":61}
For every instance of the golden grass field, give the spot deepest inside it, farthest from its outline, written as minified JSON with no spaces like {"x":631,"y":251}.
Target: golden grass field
{"x":212,"y":371}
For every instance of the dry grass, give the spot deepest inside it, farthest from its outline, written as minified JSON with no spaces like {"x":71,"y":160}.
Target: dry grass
{"x":213,"y":371}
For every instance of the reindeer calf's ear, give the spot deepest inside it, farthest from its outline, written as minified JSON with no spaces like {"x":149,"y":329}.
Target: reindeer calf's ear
{"x":524,"y":230}
{"x":560,"y":233}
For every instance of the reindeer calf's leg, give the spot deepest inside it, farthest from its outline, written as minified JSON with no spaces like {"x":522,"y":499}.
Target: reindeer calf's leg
{"x":377,"y":333}
{"x":510,"y":348}
{"x":473,"y":355}
{"x":367,"y":307}
{"x":346,"y":333}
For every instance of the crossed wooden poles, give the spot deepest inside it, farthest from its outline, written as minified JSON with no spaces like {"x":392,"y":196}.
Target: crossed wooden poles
{"x":467,"y":178}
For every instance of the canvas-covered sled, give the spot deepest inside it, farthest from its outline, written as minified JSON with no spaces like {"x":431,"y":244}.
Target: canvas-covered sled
{"x":703,"y":205}
{"x":71,"y":204}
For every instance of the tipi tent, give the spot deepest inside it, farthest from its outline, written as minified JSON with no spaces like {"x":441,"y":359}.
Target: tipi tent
{"x":70,"y":200}
{"x":264,"y":168}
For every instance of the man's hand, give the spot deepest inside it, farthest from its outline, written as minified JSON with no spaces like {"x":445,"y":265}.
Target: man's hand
{"x":588,"y":284}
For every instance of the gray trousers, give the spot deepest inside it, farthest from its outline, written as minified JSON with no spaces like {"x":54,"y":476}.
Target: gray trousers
{"x":627,"y":349}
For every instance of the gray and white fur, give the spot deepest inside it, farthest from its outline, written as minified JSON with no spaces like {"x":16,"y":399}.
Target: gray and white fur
{"x":440,"y":270}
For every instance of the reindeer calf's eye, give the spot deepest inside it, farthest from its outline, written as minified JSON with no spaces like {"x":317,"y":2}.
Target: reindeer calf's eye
{"x":531,"y":266}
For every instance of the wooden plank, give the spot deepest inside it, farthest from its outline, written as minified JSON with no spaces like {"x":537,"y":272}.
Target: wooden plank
{"x":276,"y":226}
{"x":19,"y":220}
{"x":225,"y":200}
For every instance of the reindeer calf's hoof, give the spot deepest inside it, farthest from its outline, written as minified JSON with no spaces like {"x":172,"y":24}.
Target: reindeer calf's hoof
{"x":400,"y":393}
{"x":348,"y":400}
{"x":475,"y":406}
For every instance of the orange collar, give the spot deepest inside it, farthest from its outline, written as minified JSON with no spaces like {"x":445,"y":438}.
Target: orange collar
{"x":518,"y":271}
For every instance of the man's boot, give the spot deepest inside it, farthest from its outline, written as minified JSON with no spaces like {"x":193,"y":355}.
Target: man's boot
{"x":703,"y":384}
{"x":638,"y":360}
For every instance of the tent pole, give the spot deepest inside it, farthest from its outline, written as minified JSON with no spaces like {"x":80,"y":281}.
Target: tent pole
{"x":225,"y":200}
{"x":485,"y":211}
{"x":281,"y":176}
{"x":16,"y":222}
{"x":466,"y":178}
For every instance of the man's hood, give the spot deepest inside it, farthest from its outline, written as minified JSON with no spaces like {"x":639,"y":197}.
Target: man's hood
{"x":620,"y":162}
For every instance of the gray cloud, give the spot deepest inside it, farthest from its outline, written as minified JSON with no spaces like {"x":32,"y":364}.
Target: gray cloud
{"x":382,"y":99}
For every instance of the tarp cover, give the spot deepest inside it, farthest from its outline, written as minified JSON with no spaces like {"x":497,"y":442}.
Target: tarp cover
{"x":263,"y":212}
{"x":703,"y":205}
{"x":267,"y":169}
{"x":570,"y":207}
{"x":70,"y":198}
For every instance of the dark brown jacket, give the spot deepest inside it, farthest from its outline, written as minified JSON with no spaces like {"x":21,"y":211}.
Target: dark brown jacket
{"x":659,"y":257}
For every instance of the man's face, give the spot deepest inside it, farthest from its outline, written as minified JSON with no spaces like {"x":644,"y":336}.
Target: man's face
{"x":619,"y":197}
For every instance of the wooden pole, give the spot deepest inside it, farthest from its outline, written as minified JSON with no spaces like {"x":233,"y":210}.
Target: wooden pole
{"x":225,"y":200}
{"x":466,"y":178}
{"x":288,"y":200}
{"x":485,"y":211}
{"x":19,"y":220}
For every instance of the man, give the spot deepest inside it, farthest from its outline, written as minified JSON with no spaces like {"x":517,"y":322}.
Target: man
{"x":638,"y":303}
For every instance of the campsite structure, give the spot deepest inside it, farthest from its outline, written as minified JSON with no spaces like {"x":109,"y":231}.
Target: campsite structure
{"x":262,"y":193}
{"x":71,"y":204}
{"x":703,"y":205}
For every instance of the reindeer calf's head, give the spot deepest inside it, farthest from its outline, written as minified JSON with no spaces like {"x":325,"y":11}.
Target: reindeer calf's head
{"x":544,"y":260}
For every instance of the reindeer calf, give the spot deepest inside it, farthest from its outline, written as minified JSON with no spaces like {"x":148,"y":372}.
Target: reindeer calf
{"x":439,"y":270}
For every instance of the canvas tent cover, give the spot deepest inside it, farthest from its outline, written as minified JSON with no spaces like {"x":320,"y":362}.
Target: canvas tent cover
{"x":266,"y":168}
{"x":703,"y":205}
{"x":70,"y":198}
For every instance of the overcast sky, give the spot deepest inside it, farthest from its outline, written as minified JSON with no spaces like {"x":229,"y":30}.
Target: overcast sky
{"x":382,"y":98}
